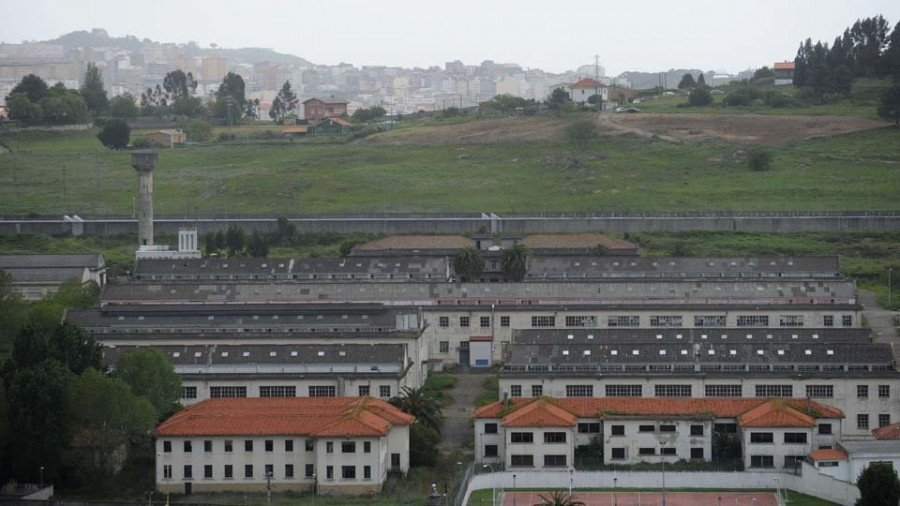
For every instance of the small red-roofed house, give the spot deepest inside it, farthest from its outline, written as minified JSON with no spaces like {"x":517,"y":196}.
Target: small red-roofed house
{"x":330,"y":444}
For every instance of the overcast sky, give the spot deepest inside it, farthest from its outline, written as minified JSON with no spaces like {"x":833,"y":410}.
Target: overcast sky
{"x":646,"y":35}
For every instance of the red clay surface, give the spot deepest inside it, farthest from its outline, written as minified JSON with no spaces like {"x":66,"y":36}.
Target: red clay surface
{"x":651,"y":498}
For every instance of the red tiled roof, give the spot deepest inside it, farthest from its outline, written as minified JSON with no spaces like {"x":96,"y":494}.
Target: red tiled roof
{"x":786,"y":65}
{"x":828,"y":455}
{"x":300,"y":416}
{"x":294,"y":130}
{"x":891,"y":431}
{"x":340,"y":121}
{"x":420,"y":242}
{"x":585,"y":240}
{"x":541,"y":413}
{"x":587,"y":83}
{"x":603,"y":407}
{"x":776,"y":413}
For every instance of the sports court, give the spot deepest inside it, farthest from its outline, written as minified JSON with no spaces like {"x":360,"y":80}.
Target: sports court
{"x":651,"y":498}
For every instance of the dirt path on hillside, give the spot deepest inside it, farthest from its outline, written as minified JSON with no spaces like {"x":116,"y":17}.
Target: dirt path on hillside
{"x":880,"y":320}
{"x":456,"y":430}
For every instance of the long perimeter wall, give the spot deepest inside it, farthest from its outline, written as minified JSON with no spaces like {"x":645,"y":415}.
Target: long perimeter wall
{"x":462,"y":223}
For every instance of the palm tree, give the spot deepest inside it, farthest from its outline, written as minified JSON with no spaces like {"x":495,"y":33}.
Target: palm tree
{"x":468,"y":263}
{"x":514,"y":262}
{"x":421,"y":404}
{"x":559,"y":499}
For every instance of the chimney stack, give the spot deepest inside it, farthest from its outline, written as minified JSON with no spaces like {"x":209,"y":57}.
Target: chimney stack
{"x":144,"y":161}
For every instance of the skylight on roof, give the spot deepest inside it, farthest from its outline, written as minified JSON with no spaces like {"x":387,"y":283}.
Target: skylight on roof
{"x":613,"y":352}
{"x":829,"y":352}
{"x":565,"y":352}
{"x":197,"y":354}
{"x":293,"y":353}
{"x":749,"y":336}
{"x":246,"y":354}
{"x":711,"y":352}
{"x":678,"y":336}
{"x":659,"y":336}
{"x":176,"y":354}
{"x":587,"y":352}
{"x":702,"y":336}
{"x":273,"y":353}
{"x":732,"y":352}
{"x":662,"y":352}
{"x":815,"y":336}
{"x":684,"y":352}
{"x":570,"y":336}
{"x":807,"y":352}
{"x":321,"y":353}
{"x":759,"y":352}
{"x":781,"y":352}
{"x":590,"y":336}
{"x":635,"y":352}
{"x":224,"y":353}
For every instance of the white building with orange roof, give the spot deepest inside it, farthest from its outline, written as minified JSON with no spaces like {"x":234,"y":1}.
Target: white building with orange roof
{"x":327,"y":444}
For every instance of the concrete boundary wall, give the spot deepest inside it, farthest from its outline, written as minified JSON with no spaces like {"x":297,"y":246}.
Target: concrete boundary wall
{"x":462,"y":223}
{"x":809,"y":482}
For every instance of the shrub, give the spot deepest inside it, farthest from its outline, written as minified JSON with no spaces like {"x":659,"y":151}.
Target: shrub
{"x":700,"y":97}
{"x":760,"y":159}
{"x":140,"y":143}
{"x":199,"y":130}
{"x":581,"y":133}
{"x":223,"y":137}
{"x":115,"y":135}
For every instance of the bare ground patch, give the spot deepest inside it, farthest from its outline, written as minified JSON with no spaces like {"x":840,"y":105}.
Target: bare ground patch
{"x":523,"y":129}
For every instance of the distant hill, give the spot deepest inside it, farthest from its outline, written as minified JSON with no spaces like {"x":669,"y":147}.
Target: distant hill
{"x":99,"y":37}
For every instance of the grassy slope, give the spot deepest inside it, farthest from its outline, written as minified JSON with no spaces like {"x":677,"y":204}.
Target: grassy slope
{"x":856,"y":171}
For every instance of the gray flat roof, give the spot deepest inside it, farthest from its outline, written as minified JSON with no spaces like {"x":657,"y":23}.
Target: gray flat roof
{"x":91,"y":261}
{"x":742,"y":335}
{"x":293,"y":268}
{"x":45,"y":274}
{"x":881,"y":446}
{"x":612,"y":267}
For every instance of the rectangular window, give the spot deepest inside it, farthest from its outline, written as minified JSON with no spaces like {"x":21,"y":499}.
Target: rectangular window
{"x":515,"y":390}
{"x":288,"y":445}
{"x":329,"y":472}
{"x":646,"y":451}
{"x":543,"y":321}
{"x":762,"y":461}
{"x":188,"y":447}
{"x":847,"y":320}
{"x":207,"y":446}
{"x":709,"y":321}
{"x":329,"y":447}
{"x":384,"y":391}
{"x":363,"y":390}
{"x":774,"y":390}
{"x":588,"y":428}
{"x":248,"y":471}
{"x":618,"y":454}
{"x":696,"y":430}
{"x":444,"y":346}
{"x":444,"y":321}
{"x":227,"y":392}
{"x":463,"y":321}
{"x":537,"y":390}
{"x":188,"y":472}
{"x":248,"y":445}
{"x":554,"y":461}
{"x":794,"y":438}
{"x":672,"y":390}
{"x":696,"y":453}
{"x":348,"y":447}
{"x":862,"y":391}
{"x":309,"y":470}
{"x":490,"y":428}
{"x":667,"y":428}
{"x":793,"y":461}
{"x":522,"y":460}
{"x":188,"y":392}
{"x":367,"y":447}
{"x":348,"y":472}
{"x":289,"y":470}
{"x":884,"y":391}
{"x":668,"y":450}
{"x":753,"y":321}
{"x":207,"y":471}
{"x":623,"y":321}
{"x":554,"y":437}
{"x":367,"y":472}
{"x":504,"y":321}
{"x":581,"y":321}
{"x":646,"y":428}
{"x":624,"y":390}
{"x":521,"y":437}
{"x":579,"y":390}
{"x":167,"y":446}
{"x":229,"y":446}
{"x":485,"y":321}
{"x":270,"y":445}
{"x":790,"y":321}
{"x":278,"y":391}
{"x":828,"y":320}
{"x":665,"y":321}
{"x":322,"y":391}
{"x":490,"y":450}
{"x":167,"y":472}
{"x":761,"y":437}
{"x":862,"y":421}
{"x":820,"y":391}
{"x":617,"y":430}
{"x":229,"y":471}
{"x":884,"y":420}
{"x":309,"y":445}
{"x":825,"y":428}
{"x":724,"y":390}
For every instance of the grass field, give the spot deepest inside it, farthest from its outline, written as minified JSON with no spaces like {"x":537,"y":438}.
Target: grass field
{"x":71,"y":173}
{"x":483,"y":497}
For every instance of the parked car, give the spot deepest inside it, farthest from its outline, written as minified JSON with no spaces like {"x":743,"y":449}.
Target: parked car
{"x":632,"y":109}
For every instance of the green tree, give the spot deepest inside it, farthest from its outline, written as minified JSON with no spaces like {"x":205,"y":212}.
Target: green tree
{"x":179,"y":85}
{"x":190,"y":107}
{"x":258,"y":246}
{"x":581,"y":133}
{"x":72,"y":346}
{"x":759,"y":159}
{"x":763,"y":73}
{"x":11,"y":313}
{"x":701,"y":81}
{"x":558,"y":499}
{"x":92,"y":91}
{"x":286,"y":233}
{"x":115,"y":134}
{"x":234,"y":239}
{"x":507,"y":103}
{"x":889,"y":108}
{"x":468,"y":264}
{"x":423,"y":445}
{"x":199,"y":130}
{"x":106,"y":416}
{"x":700,"y":96}
{"x":878,"y":486}
{"x":687,"y":82}
{"x":514,"y":262}
{"x":32,"y":86}
{"x":284,"y":102}
{"x":347,"y":246}
{"x":420,"y":403}
{"x":123,"y":106}
{"x":150,"y":375}
{"x":559,"y":101}
{"x":251,"y":109}
{"x":63,"y":106}
{"x":363,"y":115}
{"x":231,"y":97}
{"x":889,"y":64}
{"x":24,"y":110}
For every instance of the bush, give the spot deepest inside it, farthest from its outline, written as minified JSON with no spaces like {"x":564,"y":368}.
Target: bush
{"x":223,"y":137}
{"x":581,"y":133}
{"x":140,"y":143}
{"x":700,"y":97}
{"x":264,"y":135}
{"x":115,"y":135}
{"x":199,"y":130}
{"x":760,"y":159}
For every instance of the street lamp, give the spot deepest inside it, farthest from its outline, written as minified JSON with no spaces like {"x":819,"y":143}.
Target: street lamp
{"x":149,"y":498}
{"x":662,"y":446}
{"x":615,"y":489}
{"x":315,"y":486}
{"x":571,"y":480}
{"x":514,"y":490}
{"x":42,"y":477}
{"x":890,"y":291}
{"x":159,"y":455}
{"x":269,"y":487}
{"x":493,"y":483}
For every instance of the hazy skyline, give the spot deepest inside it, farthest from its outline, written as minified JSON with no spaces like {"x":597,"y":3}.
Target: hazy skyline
{"x":645,"y":36}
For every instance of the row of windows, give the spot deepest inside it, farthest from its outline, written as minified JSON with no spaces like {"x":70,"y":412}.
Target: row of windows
{"x":269,"y":446}
{"x":528,"y":437}
{"x":347,"y":472}
{"x":528,"y":460}
{"x":813,"y":391}
{"x":768,"y":437}
{"x":862,"y":420}
{"x":655,"y":321}
{"x":190,"y":392}
{"x":465,"y":321}
{"x":622,"y":453}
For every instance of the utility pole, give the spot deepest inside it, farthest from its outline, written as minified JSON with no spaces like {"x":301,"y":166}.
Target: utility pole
{"x":597,"y":84}
{"x":890,"y":288}
{"x":269,"y":488}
